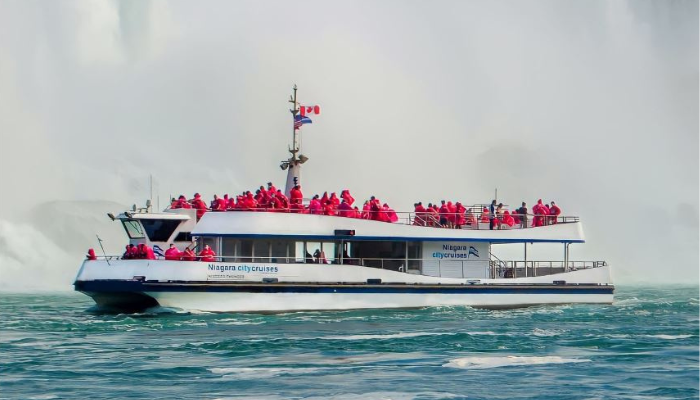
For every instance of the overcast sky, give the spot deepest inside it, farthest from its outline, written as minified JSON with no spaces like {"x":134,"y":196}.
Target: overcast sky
{"x":593,"y":104}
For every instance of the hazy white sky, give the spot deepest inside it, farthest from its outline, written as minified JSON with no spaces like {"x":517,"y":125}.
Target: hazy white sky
{"x":593,"y":104}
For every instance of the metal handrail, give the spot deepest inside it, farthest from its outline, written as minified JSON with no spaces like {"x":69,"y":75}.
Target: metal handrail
{"x":435,"y":220}
{"x":495,"y":269}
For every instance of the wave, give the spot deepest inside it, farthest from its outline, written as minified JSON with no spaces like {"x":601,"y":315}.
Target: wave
{"x":670,"y":337}
{"x":508,"y":361}
{"x":400,"y":335}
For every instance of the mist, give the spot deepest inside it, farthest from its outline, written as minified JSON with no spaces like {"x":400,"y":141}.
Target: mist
{"x":592,"y":104}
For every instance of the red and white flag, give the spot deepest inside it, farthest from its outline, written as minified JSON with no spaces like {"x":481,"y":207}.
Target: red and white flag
{"x":308,"y":110}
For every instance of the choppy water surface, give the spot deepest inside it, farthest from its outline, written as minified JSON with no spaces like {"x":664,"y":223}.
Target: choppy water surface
{"x":645,"y":346}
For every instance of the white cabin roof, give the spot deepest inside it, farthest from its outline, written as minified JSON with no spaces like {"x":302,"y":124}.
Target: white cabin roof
{"x":321,"y":227}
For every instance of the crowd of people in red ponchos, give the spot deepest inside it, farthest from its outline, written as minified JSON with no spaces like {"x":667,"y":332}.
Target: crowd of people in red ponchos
{"x":449,"y":215}
{"x":272,"y":199}
{"x":446,"y":215}
{"x":145,"y":252}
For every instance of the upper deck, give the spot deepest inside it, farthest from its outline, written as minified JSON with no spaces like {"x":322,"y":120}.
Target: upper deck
{"x":322,"y":227}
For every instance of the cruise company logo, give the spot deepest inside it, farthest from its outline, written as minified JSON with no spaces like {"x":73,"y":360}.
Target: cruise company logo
{"x":456,"y":252}
{"x":224,"y":272}
{"x":265,"y":269}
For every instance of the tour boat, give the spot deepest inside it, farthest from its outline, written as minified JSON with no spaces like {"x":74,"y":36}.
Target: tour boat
{"x":269,"y":261}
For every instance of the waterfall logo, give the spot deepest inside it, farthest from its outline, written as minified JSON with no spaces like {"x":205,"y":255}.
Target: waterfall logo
{"x":473,"y":252}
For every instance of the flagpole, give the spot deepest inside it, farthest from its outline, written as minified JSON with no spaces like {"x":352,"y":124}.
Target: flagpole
{"x":293,"y":164}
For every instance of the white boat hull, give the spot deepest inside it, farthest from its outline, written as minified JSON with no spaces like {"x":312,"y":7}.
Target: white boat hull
{"x":255,"y":287}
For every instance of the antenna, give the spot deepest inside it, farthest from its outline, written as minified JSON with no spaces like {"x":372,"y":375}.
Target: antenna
{"x":150,"y":176}
{"x":103,"y":249}
{"x":293,"y":164}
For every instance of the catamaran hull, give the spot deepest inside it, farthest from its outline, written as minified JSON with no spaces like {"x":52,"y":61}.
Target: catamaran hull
{"x":135,"y":296}
{"x":137,"y":285}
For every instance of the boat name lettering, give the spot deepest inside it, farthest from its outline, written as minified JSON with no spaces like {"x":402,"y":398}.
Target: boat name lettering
{"x":244,"y":268}
{"x":457,"y":251}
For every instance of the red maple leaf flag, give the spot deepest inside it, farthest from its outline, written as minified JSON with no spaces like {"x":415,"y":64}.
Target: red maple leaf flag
{"x":308,"y":110}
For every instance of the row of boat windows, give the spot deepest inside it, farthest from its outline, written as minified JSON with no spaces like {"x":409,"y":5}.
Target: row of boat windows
{"x":380,"y":253}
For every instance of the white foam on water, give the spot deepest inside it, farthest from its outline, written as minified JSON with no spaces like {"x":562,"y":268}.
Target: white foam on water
{"x":235,"y":321}
{"x":546,"y":332}
{"x":508,"y":361}
{"x":261,"y":372}
{"x":670,"y":337}
{"x":400,"y":335}
{"x":486,"y":333}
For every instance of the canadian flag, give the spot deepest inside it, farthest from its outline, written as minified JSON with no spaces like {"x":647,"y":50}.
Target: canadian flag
{"x":307,"y":110}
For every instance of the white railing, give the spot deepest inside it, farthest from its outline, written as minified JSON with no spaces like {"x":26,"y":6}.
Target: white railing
{"x":474,"y":220}
{"x":425,"y":266}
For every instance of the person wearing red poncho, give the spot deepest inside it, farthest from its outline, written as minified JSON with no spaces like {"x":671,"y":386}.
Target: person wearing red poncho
{"x":271,"y":188}
{"x":207,"y":254}
{"x":283,"y":200}
{"x":218,"y":204}
{"x":389,"y":213}
{"x":433,"y":215}
{"x":460,"y":220}
{"x":452,"y":214}
{"x":182,"y":203}
{"x":539,"y":211}
{"x":199,"y":205}
{"x":374,"y":210}
{"x":295,"y":195}
{"x":554,"y":211}
{"x":324,"y":199}
{"x":172,"y":253}
{"x":250,"y":203}
{"x":231,"y":204}
{"x":315,"y":206}
{"x":419,"y":219}
{"x":485,"y":215}
{"x":91,"y":255}
{"x":471,"y":218}
{"x":345,"y":195}
{"x":344,"y":210}
{"x":366,"y":210}
{"x":329,"y":209}
{"x":188,"y":255}
{"x":334,"y":200}
{"x":508,"y":219}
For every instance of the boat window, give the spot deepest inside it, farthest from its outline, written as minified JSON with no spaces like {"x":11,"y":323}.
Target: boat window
{"x":159,"y":230}
{"x":261,"y":251}
{"x":211,"y":241}
{"x":184,"y":237}
{"x":133,"y":229}
{"x":299,"y":252}
{"x":229,"y":248}
{"x":329,"y":251}
{"x":278,"y":251}
{"x":311,"y":248}
{"x":245,"y":252}
{"x":414,"y":256}
{"x":381,"y":254}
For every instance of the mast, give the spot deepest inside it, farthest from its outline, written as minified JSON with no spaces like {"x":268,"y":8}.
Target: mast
{"x":293,"y":164}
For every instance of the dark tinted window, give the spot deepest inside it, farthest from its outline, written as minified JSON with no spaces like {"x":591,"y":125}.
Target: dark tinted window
{"x":159,"y":230}
{"x":184,"y":237}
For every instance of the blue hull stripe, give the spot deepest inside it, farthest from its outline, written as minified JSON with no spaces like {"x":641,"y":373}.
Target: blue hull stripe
{"x":116,"y":286}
